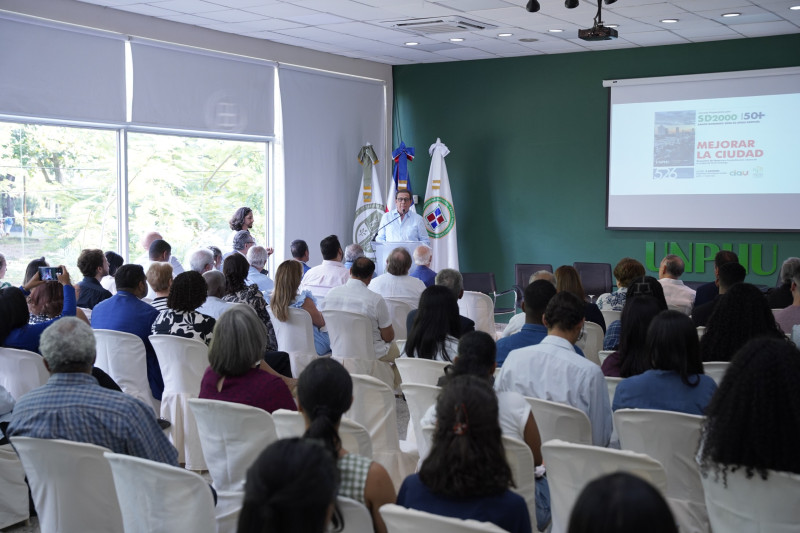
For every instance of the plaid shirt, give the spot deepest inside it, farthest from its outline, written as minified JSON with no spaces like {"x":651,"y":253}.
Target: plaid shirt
{"x":73,"y":406}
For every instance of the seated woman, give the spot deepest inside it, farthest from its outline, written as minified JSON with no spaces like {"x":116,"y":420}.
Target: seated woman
{"x":436,"y":327}
{"x":290,"y":488}
{"x":741,"y":314}
{"x":286,"y":295}
{"x":234,"y":374}
{"x":477,"y":357}
{"x":645,"y":285}
{"x":625,"y":272}
{"x":32,"y":268}
{"x":753,"y":421}
{"x":324,"y":394}
{"x":676,"y":381}
{"x":46,"y":302}
{"x":632,"y":358}
{"x":568,"y":279}
{"x":159,"y":279}
{"x":466,"y":474}
{"x":187,"y":293}
{"x":3,"y":269}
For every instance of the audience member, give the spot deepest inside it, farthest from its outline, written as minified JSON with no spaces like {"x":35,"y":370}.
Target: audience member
{"x":646,"y":285}
{"x":396,"y":283}
{"x":159,"y":280}
{"x":435,"y":331}
{"x":242,"y":219}
{"x":287,"y":294}
{"x":290,"y":488}
{"x":552,"y":370}
{"x":741,"y":314}
{"x":781,"y":296}
{"x":299,"y":250}
{"x":214,"y":306}
{"x":324,"y":394}
{"x":708,"y":291}
{"x":202,"y":260}
{"x":790,"y":316}
{"x":256,"y":274}
{"x":242,"y":242}
{"x":234,"y":374}
{"x":568,"y":279}
{"x":331,"y":273}
{"x":217,"y":257}
{"x":351,"y":253}
{"x":632,"y":357}
{"x":516,"y":322}
{"x":33,"y":268}
{"x":114,"y":262}
{"x":147,"y":240}
{"x":537,"y":296}
{"x":94,"y":267}
{"x":728,"y":275}
{"x":423,"y":256}
{"x":46,"y":302}
{"x":678,"y":296}
{"x":466,"y":474}
{"x":452,"y":279}
{"x":181,"y":317}
{"x":3,"y":269}
{"x":676,"y":381}
{"x":625,"y":271}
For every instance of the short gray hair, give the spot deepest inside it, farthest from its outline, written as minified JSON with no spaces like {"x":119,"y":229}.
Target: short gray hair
{"x":215,"y":280}
{"x":257,"y":256}
{"x":452,"y":279}
{"x":423,"y":255}
{"x":239,"y":341}
{"x":673,"y":265}
{"x":200,"y":259}
{"x":242,"y":239}
{"x":543,"y":274}
{"x":68,"y":345}
{"x":353,"y":252}
{"x":789,"y":269}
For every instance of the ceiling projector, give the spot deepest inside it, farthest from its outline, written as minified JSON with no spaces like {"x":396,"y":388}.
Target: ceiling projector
{"x":598,"y":33}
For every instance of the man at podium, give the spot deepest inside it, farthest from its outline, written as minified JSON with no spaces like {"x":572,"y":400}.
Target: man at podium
{"x":400,"y":224}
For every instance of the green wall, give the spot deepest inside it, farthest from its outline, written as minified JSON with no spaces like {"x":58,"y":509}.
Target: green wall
{"x":528,"y":139}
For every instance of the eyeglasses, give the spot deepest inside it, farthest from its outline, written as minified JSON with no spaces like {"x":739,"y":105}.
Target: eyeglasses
{"x":403,"y":199}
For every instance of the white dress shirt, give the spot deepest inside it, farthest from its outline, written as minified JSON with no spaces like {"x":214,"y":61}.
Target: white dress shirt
{"x":553,"y":371}
{"x":214,"y":307}
{"x":403,"y":288}
{"x":355,"y":297}
{"x":322,"y":278}
{"x":679,"y":297}
{"x":410,"y":228}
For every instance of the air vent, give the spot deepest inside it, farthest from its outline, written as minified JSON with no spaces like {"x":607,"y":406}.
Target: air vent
{"x":438,"y":25}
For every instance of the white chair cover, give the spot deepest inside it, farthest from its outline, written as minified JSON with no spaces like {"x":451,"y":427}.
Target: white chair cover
{"x":603,"y":354}
{"x":416,"y":370}
{"x":295,"y":337}
{"x":352,"y":345}
{"x":716,"y":370}
{"x":374,"y":408}
{"x":520,"y":459}
{"x":401,"y":520}
{"x":592,"y":341}
{"x":610,"y":316}
{"x":13,"y":489}
{"x":21,"y":371}
{"x":478,"y":307}
{"x":398,"y":310}
{"x":771,"y":505}
{"x":672,"y":439}
{"x":356,"y":515}
{"x":571,"y":466}
{"x":159,"y":498}
{"x":419,"y":398}
{"x":71,"y":484}
{"x":354,"y":436}
{"x":183,"y":362}
{"x":288,"y":424}
{"x":122,"y":356}
{"x":611,"y":384}
{"x":560,"y":421}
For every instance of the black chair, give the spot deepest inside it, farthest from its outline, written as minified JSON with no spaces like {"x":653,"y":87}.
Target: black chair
{"x":484,"y":282}
{"x":595,"y":277}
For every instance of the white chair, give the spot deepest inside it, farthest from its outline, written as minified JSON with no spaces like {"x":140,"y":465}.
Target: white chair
{"x":611,"y":384}
{"x":357,"y":518}
{"x":159,"y":498}
{"x":71,"y":485}
{"x":417,"y":370}
{"x":672,"y":439}
{"x":295,"y":337}
{"x":122,"y":356}
{"x":13,"y":489}
{"x":478,"y":307}
{"x":603,"y":354}
{"x":374,"y":408}
{"x":21,"y":371}
{"x":352,"y":344}
{"x":183,"y":363}
{"x":520,"y":459}
{"x":398,"y":310}
{"x":560,"y":421}
{"x":571,"y":466}
{"x":610,"y":316}
{"x":592,"y":341}
{"x":716,"y":370}
{"x":419,"y":398}
{"x":401,"y":520}
{"x":354,"y":436}
{"x":741,"y":504}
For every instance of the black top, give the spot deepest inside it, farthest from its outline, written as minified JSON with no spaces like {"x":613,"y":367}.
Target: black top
{"x":91,"y":293}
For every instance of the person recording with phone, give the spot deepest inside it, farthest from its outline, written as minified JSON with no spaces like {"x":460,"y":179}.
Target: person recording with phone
{"x":401,"y":223}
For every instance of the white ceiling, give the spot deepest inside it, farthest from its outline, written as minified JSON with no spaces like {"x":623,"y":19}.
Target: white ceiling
{"x":360,"y":28}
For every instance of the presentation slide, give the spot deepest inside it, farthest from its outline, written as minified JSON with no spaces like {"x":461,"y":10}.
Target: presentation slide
{"x":717,"y":162}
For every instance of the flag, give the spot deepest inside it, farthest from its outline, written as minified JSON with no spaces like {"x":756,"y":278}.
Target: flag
{"x":438,"y":211}
{"x":369,"y":205}
{"x":400,"y":178}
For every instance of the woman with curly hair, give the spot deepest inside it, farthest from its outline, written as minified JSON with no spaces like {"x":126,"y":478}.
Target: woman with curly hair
{"x":187,"y":293}
{"x":741,"y":314}
{"x":466,"y":474}
{"x":242,"y":219}
{"x":285,"y":295}
{"x":753,"y":421}
{"x":632,"y":358}
{"x":437,"y":326}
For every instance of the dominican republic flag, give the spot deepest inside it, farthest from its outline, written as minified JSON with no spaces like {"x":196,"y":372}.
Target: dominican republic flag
{"x":438,"y":211}
{"x":369,"y":205}
{"x":400,"y":178}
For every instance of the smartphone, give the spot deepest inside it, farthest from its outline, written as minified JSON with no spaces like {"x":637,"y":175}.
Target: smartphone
{"x":49,"y":273}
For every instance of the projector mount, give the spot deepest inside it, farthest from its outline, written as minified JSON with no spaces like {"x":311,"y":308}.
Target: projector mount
{"x":598,"y":32}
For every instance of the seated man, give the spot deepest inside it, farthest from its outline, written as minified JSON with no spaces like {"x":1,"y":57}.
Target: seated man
{"x":73,"y":406}
{"x":552,"y":370}
{"x":453,"y":280}
{"x":202,"y":260}
{"x":351,"y":253}
{"x":242,"y":242}
{"x":214,"y":306}
{"x":256,"y":275}
{"x":537,"y":296}
{"x":517,"y":321}
{"x":299,"y":250}
{"x":423,"y":256}
{"x":708,"y":291}
{"x":331,"y":273}
{"x":126,"y":312}
{"x":727,"y":276}
{"x":679,"y":297}
{"x":788,"y":317}
{"x":94,"y":266}
{"x":145,"y":260}
{"x":396,"y":283}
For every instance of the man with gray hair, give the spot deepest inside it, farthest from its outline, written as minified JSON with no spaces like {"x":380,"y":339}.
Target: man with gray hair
{"x":257,"y":257}
{"x":242,"y":242}
{"x":679,"y":296}
{"x":518,"y":321}
{"x":351,"y":253}
{"x":453,"y":280}
{"x":73,"y":406}
{"x":214,"y":306}
{"x":396,"y":283}
{"x":423,"y":255}
{"x":788,"y":317}
{"x":202,"y":260}
{"x":781,"y":297}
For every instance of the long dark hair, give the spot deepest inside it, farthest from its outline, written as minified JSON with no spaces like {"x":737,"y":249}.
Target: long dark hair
{"x":436,"y":318}
{"x":14,"y":310}
{"x":753,"y":420}
{"x":477,"y":353}
{"x":635,"y":319}
{"x":647,"y":286}
{"x":467,"y":457}
{"x":673,"y":345}
{"x":325,"y":392}
{"x":235,"y":268}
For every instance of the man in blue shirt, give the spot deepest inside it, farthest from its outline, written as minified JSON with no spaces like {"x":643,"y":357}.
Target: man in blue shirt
{"x":126,"y":312}
{"x":537,"y":296}
{"x":94,"y":266}
{"x":402,"y":224}
{"x":423,"y":256}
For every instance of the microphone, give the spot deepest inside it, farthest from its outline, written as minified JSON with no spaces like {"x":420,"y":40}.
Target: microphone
{"x":379,"y":229}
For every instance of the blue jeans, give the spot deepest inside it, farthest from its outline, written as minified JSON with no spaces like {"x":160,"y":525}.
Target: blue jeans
{"x":322,"y":342}
{"x":542,"y":503}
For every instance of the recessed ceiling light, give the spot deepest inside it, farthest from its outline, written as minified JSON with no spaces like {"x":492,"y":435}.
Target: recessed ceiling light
{"x":456,"y":39}
{"x":731,"y":14}
{"x":505,"y":34}
{"x":555,"y":30}
{"x":669,"y":21}
{"x":612,"y":25}
{"x":795,"y":8}
{"x":412,"y":43}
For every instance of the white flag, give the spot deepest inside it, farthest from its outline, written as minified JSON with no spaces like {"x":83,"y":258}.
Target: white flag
{"x":439,"y":213}
{"x":369,"y":206}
